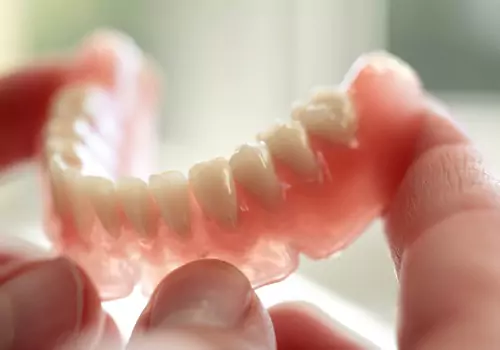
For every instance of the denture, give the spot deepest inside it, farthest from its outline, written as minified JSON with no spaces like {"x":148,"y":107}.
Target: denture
{"x":309,"y":185}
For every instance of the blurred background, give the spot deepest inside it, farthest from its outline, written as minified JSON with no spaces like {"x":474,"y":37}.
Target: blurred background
{"x":231,"y":67}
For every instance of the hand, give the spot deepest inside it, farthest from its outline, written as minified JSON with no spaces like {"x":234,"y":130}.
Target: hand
{"x":442,"y":229}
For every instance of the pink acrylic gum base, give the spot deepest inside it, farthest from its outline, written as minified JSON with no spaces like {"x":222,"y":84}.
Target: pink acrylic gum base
{"x":316,"y":218}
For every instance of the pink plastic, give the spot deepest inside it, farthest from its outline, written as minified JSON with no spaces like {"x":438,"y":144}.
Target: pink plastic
{"x":318,"y":218}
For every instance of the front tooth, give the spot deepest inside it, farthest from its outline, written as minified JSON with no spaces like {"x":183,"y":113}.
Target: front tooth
{"x":171,"y":192}
{"x":136,"y":203}
{"x":80,"y":207}
{"x":102,"y":196}
{"x":253,"y":168}
{"x":289,"y":144}
{"x":213,"y":186}
{"x":330,"y":114}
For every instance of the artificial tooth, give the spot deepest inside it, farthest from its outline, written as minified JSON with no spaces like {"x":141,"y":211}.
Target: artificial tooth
{"x":327,"y":95}
{"x":77,"y":100}
{"x":80,"y":131}
{"x":68,"y":101}
{"x":73,"y":154}
{"x":171,"y":192}
{"x":94,"y":142}
{"x":58,"y":186}
{"x":67,"y":149}
{"x":330,"y":115}
{"x":136,"y":203}
{"x":252,"y":167}
{"x":102,"y":196}
{"x":60,"y":127}
{"x":298,"y":108}
{"x":213,"y":186}
{"x":289,"y":144}
{"x":83,"y":215}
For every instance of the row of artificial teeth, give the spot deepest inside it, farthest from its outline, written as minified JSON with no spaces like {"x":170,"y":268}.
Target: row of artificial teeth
{"x":328,"y":114}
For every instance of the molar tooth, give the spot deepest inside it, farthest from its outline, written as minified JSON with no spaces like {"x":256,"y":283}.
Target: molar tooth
{"x":102,"y":196}
{"x":330,"y":115}
{"x":69,"y":100}
{"x":72,"y":153}
{"x":136,"y":203}
{"x":76,"y":100}
{"x":253,"y":169}
{"x":79,"y":136}
{"x":213,"y":186}
{"x":60,"y":127}
{"x":289,"y":143}
{"x":171,"y":192}
{"x":298,"y":108}
{"x":326,"y":95}
{"x":94,"y":142}
{"x":67,"y":149}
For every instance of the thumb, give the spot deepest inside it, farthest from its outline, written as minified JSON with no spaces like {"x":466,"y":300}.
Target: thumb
{"x":44,"y":302}
{"x":204,"y":305}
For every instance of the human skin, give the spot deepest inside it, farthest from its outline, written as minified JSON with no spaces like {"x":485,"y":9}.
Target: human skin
{"x":443,"y":233}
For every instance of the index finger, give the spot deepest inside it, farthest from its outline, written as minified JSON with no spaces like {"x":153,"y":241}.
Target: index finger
{"x":443,"y":231}
{"x":24,"y":96}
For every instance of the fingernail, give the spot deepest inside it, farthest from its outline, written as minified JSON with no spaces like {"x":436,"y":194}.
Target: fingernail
{"x":41,"y":305}
{"x":207,"y":293}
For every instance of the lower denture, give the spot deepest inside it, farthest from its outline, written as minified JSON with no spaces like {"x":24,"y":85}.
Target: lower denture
{"x":308,"y":186}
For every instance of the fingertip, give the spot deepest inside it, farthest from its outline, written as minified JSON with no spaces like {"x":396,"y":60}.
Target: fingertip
{"x":211,"y":298}
{"x":447,"y":175}
{"x":438,"y":128}
{"x":184,"y":293}
{"x":46,"y":301}
{"x":442,"y":228}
